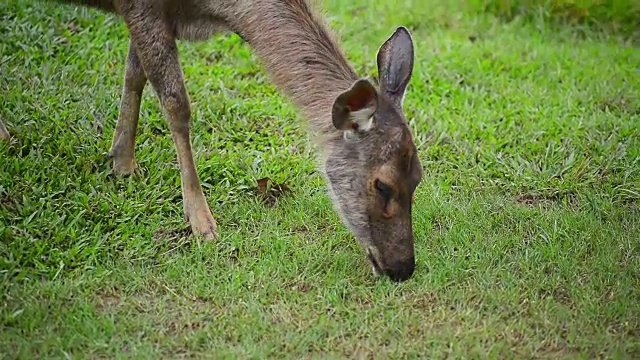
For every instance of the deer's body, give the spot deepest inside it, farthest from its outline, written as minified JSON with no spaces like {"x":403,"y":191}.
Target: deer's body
{"x":368,"y":155}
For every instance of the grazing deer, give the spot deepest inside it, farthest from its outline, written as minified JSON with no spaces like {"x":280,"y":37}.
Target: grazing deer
{"x":368,"y":156}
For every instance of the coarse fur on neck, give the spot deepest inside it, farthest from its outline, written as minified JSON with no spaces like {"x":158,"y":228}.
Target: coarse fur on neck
{"x":301,"y":57}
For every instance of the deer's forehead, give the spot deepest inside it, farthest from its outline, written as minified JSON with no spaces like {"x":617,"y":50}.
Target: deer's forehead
{"x":397,"y":143}
{"x":398,"y":162}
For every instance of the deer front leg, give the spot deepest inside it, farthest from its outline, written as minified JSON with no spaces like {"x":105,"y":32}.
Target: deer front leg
{"x":4,"y":134}
{"x":158,"y":55}
{"x":124,"y":137}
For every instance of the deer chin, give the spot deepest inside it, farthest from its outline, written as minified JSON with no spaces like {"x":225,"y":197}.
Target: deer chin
{"x":377,"y":271}
{"x":371,"y":252}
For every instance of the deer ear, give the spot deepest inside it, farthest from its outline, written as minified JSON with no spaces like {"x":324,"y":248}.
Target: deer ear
{"x":395,"y":64}
{"x":353,"y":109}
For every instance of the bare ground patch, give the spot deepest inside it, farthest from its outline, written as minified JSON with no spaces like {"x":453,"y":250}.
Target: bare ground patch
{"x":545,"y":200}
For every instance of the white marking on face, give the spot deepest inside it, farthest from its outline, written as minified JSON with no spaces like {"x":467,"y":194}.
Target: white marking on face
{"x":375,"y":271}
{"x":363,"y":118}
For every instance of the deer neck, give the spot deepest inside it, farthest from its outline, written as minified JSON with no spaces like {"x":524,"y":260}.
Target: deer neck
{"x":300,"y":55}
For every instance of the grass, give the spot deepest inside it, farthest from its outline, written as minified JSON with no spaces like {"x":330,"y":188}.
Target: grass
{"x":527,"y":221}
{"x":616,"y":16}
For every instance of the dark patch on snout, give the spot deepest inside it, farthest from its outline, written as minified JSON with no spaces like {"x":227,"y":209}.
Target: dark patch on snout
{"x":401,"y":270}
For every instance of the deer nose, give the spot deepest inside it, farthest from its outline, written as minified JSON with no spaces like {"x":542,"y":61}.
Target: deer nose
{"x":401,"y":270}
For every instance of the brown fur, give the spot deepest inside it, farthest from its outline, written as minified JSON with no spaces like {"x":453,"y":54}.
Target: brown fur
{"x":367,"y":152}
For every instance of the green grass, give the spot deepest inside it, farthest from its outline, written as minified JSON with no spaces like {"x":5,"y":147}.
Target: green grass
{"x":527,"y":220}
{"x":616,"y":16}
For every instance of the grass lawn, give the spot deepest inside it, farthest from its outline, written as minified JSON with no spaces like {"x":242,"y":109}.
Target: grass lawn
{"x":527,"y":220}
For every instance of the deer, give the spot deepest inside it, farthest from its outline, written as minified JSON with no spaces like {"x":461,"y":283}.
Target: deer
{"x":367,"y":154}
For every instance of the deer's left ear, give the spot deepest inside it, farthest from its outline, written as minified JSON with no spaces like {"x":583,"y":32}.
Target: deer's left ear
{"x":395,"y":64}
{"x":353,"y":110}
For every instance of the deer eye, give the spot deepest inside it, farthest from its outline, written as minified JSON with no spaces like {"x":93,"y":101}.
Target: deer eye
{"x":384,"y":189}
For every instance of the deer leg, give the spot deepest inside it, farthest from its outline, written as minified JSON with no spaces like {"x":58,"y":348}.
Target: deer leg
{"x":4,"y":134}
{"x":124,"y":137}
{"x":158,"y":54}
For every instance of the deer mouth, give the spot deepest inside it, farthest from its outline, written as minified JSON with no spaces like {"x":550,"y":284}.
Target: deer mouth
{"x":377,"y":270}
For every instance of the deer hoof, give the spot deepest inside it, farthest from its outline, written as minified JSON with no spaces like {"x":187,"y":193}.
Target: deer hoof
{"x":203,"y":224}
{"x":123,"y":167}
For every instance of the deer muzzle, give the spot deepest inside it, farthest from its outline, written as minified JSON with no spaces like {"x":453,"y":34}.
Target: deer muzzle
{"x":398,"y":270}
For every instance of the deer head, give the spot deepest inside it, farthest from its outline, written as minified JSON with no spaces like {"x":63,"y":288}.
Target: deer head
{"x":372,"y":166}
